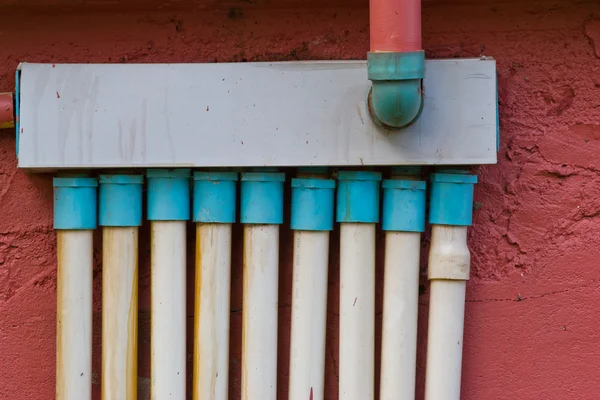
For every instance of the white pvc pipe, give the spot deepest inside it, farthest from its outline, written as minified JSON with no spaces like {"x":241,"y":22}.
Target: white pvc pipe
{"x":357,"y":311}
{"x":168,"y":309}
{"x":119,"y":312}
{"x":400,"y":315}
{"x":259,"y":315}
{"x":309,"y":315}
{"x":74,"y":314}
{"x":445,"y":340}
{"x":211,"y":322}
{"x":449,"y":261}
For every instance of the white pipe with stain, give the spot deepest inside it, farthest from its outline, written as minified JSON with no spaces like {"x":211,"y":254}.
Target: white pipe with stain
{"x":168,"y":309}
{"x":119,"y":312}
{"x":211,"y":322}
{"x":74,"y":314}
{"x":449,"y":264}
{"x":259,"y":314}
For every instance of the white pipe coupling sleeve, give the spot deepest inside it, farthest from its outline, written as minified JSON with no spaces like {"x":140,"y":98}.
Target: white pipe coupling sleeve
{"x":449,"y":256}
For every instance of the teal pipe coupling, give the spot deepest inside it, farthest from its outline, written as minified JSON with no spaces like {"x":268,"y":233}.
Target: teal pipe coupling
{"x":403,"y":205}
{"x":358,"y":196}
{"x":312,"y":204}
{"x":121,"y":200}
{"x":262,"y":198}
{"x":75,"y":203}
{"x":215,"y":197}
{"x":451,"y":200}
{"x":168,"y":194}
{"x":396,"y":96}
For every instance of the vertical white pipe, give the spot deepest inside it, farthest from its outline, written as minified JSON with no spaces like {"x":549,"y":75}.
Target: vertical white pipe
{"x":445,"y":339}
{"x":259,"y":316}
{"x":449,"y":260}
{"x":357,"y":311}
{"x":451,"y":209}
{"x":168,"y":210}
{"x":211,"y":323}
{"x":403,"y":222}
{"x":214,"y":212}
{"x":119,"y":312}
{"x":120,"y":216}
{"x":75,"y":201}
{"x":309,"y":315}
{"x":168,"y":309}
{"x":312,"y":219}
{"x":261,"y":212}
{"x":74,"y":314}
{"x":358,"y":212}
{"x":400,"y":315}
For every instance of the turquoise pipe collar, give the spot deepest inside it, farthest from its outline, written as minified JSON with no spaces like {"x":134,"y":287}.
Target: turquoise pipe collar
{"x":215,"y":197}
{"x":168,"y":194}
{"x":404,"y":205}
{"x":75,"y":203}
{"x":262,"y":198}
{"x":451,"y":200}
{"x":396,"y":96}
{"x":121,"y":200}
{"x":358,"y":196}
{"x":312,"y":204}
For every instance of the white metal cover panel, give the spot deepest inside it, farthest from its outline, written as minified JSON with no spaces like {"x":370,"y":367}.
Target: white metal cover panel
{"x":247,"y":114}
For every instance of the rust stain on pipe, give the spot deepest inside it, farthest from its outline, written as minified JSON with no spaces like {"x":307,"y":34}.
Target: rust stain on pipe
{"x":7,"y":112}
{"x":246,"y":257}
{"x":132,"y":336}
{"x":120,"y":313}
{"x":197,"y":346}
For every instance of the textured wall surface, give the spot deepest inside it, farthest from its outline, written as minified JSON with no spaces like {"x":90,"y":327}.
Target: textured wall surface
{"x":534,"y":296}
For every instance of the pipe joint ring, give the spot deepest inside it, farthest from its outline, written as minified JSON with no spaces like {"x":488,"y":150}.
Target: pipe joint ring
{"x":396,"y":66}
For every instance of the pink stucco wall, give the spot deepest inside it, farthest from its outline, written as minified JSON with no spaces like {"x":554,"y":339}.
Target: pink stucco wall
{"x":533,"y":302}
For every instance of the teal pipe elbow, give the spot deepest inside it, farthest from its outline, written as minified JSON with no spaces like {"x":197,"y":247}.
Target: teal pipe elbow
{"x":396,"y":97}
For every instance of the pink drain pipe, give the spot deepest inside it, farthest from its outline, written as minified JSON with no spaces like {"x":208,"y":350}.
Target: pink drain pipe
{"x":7,"y":114}
{"x":395,"y":25}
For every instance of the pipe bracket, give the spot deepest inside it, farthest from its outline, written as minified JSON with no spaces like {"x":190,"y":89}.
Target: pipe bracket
{"x":395,"y":100}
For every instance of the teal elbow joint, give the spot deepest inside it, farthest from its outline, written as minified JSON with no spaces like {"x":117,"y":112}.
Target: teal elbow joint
{"x":396,"y":96}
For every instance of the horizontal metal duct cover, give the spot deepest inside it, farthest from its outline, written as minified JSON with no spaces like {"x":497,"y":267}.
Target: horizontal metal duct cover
{"x":246,"y":114}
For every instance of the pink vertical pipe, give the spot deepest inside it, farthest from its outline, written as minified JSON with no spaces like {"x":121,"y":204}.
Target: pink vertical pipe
{"x":7,"y":114}
{"x":395,"y":25}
